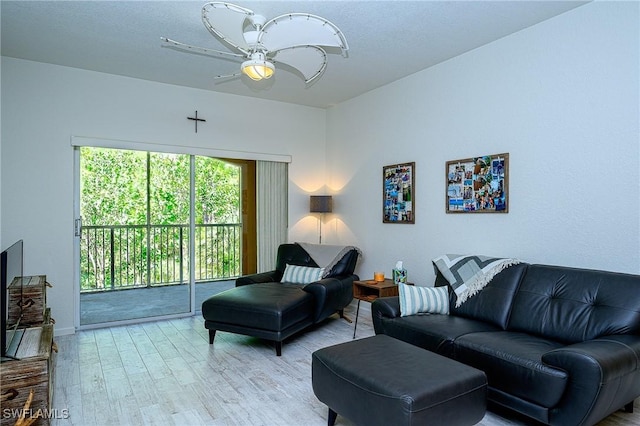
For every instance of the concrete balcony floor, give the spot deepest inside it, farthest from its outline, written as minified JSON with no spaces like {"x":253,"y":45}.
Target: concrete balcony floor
{"x":139,"y":303}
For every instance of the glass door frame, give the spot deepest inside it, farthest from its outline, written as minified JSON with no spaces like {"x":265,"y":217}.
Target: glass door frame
{"x":76,"y":248}
{"x":81,"y":141}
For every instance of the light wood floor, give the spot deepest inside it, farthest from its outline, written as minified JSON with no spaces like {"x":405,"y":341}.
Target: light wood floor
{"x":166,"y":373}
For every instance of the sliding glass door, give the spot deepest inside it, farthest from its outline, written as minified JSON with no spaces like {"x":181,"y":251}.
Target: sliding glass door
{"x":152,"y":226}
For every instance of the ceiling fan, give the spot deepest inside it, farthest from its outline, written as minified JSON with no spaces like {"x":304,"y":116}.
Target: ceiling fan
{"x":297,"y":40}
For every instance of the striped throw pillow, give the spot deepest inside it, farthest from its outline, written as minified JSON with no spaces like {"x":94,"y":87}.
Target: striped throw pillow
{"x":301,"y":274}
{"x":423,"y":300}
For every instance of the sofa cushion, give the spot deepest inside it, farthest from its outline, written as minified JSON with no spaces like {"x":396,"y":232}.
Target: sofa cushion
{"x":573,"y":305}
{"x":493,"y":303}
{"x":301,"y":274}
{"x":513,"y":364}
{"x":344,"y":266}
{"x":416,"y":300}
{"x":294,"y":254}
{"x":469,"y":274}
{"x":267,"y":306}
{"x":435,"y":333}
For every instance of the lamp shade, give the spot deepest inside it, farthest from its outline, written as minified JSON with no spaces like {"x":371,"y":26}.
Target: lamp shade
{"x":320,"y":204}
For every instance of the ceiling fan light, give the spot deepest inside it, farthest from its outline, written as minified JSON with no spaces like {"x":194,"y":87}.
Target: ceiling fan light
{"x":257,"y":69}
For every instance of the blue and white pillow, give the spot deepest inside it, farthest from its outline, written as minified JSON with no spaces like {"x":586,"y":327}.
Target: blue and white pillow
{"x":423,"y":300}
{"x":301,"y":274}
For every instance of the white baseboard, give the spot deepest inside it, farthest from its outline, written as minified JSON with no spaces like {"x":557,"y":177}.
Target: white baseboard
{"x":63,"y":331}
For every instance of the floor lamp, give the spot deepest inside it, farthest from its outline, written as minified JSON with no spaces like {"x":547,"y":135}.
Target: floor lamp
{"x":320,"y":204}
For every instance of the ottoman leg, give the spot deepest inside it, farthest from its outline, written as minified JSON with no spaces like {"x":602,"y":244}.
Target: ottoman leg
{"x":278,"y":348}
{"x":212,"y":335}
{"x":331,"y":418}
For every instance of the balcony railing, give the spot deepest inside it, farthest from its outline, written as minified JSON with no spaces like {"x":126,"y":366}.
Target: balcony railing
{"x":132,"y":256}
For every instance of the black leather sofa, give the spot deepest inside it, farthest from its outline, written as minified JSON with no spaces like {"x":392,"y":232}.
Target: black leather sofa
{"x":262,"y":306}
{"x":560,"y":345}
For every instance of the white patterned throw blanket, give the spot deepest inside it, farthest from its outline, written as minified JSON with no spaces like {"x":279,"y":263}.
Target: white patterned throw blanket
{"x":470,"y":274}
{"x":326,"y":256}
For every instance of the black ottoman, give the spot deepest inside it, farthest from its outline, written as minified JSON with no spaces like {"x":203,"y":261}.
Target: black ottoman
{"x":380,"y":380}
{"x":272,"y":311}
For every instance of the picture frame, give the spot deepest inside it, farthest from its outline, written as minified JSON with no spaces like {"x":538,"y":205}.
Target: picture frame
{"x":398,"y":193}
{"x":478,"y":184}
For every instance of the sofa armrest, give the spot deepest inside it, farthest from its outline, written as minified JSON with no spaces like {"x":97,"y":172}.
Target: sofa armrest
{"x":386,"y":307}
{"x":604,"y":376}
{"x":382,"y":309}
{"x":331,"y":295}
{"x":263,"y":277}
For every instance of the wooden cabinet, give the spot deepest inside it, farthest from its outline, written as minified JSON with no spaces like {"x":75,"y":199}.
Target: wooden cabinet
{"x":33,"y":300}
{"x":32,"y":368}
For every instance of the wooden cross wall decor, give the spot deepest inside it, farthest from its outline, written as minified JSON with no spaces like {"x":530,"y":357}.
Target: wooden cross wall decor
{"x":196,"y":119}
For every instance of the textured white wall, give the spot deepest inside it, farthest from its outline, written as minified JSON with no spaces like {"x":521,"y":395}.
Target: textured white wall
{"x":44,"y":105}
{"x":561,"y":97}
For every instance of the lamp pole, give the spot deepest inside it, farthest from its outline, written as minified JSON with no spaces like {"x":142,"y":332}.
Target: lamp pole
{"x":320,"y":204}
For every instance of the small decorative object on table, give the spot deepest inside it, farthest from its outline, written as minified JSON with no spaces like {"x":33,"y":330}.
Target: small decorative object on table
{"x":399,"y":274}
{"x":378,"y":277}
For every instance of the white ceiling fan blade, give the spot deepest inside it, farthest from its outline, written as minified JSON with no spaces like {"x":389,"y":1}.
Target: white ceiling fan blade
{"x":222,"y":78}
{"x":301,"y":29}
{"x":310,"y":61}
{"x":227,"y":21}
{"x":172,"y":44}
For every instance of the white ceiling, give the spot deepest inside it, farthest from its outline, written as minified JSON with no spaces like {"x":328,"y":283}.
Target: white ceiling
{"x":388,"y":40}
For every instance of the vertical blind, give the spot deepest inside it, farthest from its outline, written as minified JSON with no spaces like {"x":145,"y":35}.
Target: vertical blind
{"x":272,"y":193}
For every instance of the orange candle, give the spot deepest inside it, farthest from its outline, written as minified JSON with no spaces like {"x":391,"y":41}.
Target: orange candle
{"x":378,"y":276}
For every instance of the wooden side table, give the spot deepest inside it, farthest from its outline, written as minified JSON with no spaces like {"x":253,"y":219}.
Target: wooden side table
{"x":370,"y":290}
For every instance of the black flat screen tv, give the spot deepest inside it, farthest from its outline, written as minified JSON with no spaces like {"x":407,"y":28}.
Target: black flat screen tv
{"x":11,"y":267}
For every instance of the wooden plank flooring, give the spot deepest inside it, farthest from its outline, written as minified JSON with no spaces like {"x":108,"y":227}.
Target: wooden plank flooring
{"x":166,"y":373}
